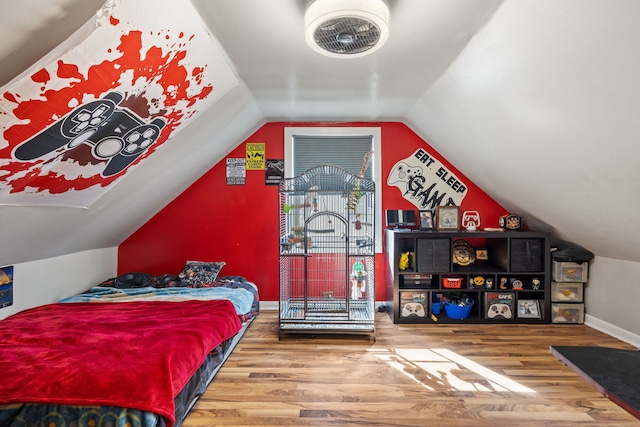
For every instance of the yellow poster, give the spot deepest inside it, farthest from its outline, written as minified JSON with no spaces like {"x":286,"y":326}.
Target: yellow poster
{"x":255,"y":156}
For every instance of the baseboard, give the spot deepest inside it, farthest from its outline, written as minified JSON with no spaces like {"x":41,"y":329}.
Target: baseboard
{"x":269,"y":305}
{"x":612,"y":330}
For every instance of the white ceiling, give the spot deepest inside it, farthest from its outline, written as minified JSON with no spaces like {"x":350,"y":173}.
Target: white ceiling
{"x":536,"y":101}
{"x":289,"y":81}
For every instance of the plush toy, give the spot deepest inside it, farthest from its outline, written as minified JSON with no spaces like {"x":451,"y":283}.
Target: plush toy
{"x":403,"y":264}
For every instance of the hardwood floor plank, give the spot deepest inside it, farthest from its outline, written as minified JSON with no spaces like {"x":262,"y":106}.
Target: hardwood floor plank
{"x":411,"y":375}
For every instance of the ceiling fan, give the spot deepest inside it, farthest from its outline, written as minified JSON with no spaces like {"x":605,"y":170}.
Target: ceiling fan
{"x":346,"y":28}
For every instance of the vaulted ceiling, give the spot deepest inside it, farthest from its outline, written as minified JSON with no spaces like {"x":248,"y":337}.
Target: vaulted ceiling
{"x":536,"y":101}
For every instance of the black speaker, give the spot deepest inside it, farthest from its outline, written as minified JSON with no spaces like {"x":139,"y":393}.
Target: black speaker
{"x":401,"y":218}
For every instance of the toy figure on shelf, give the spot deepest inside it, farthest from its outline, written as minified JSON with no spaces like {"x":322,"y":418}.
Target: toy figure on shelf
{"x":516,"y":284}
{"x":358,"y":281}
{"x":478,"y":282}
{"x":405,"y":260}
{"x":535,"y":283}
{"x":471,"y":220}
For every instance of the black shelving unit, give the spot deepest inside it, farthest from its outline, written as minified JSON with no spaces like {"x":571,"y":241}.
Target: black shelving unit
{"x":494,"y":269}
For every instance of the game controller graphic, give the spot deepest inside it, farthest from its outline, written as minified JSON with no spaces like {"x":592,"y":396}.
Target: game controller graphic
{"x":114,"y":133}
{"x":413,"y":308}
{"x":499,"y":310}
{"x":402,"y":173}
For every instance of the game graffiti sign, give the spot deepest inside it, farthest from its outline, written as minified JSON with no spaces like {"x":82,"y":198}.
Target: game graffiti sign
{"x":426,"y":182}
{"x":104,"y":100}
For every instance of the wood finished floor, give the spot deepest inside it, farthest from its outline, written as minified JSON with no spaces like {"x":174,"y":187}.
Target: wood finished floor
{"x":412,"y":375}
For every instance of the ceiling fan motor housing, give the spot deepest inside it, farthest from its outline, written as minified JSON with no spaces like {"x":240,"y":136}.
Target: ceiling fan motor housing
{"x":346,"y":28}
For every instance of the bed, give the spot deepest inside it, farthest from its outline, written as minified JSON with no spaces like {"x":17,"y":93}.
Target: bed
{"x":135,"y":350}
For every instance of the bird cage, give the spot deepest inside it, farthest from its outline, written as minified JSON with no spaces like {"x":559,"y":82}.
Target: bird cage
{"x":327,"y":251}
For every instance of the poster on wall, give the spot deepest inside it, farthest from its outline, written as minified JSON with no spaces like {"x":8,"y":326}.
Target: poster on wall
{"x":255,"y":156}
{"x":104,"y":100}
{"x":236,"y":171}
{"x":6,"y":286}
{"x":426,"y":182}
{"x":274,"y":172}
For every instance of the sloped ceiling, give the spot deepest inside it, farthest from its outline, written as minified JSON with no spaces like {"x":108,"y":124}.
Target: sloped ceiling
{"x":536,"y":101}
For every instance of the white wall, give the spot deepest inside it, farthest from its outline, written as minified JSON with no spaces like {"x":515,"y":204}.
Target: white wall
{"x":49,"y":280}
{"x":612,"y":295}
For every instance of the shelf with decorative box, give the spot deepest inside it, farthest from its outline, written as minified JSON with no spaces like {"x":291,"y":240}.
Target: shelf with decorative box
{"x":468,"y":276}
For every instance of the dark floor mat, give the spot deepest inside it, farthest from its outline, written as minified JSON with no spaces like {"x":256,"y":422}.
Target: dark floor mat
{"x":614,"y":373}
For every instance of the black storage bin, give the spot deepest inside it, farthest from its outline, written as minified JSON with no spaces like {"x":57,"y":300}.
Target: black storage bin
{"x":527,"y":255}
{"x":433,"y":255}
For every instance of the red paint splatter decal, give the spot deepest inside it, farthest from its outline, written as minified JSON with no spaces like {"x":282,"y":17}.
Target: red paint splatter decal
{"x":75,"y":126}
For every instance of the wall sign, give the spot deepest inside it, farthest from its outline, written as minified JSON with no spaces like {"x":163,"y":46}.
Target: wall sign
{"x":106,"y":99}
{"x":426,"y":182}
{"x":274,"y":172}
{"x":236,"y":171}
{"x":255,"y":156}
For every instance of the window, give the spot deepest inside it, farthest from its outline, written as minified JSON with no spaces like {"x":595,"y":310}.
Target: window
{"x":346,"y":151}
{"x":341,"y":146}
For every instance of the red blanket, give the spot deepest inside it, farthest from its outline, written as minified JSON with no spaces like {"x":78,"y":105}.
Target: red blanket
{"x":131,"y":354}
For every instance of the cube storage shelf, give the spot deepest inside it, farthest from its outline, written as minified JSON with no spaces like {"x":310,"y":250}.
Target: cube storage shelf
{"x":505,"y":277}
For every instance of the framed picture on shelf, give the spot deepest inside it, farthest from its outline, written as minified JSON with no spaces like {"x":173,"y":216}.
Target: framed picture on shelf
{"x":529,"y":309}
{"x":426,"y":220}
{"x":448,"y":218}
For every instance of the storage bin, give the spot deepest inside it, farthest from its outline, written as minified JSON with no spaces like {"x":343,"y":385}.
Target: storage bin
{"x":451,"y":282}
{"x":566,"y":292}
{"x":567,"y":313}
{"x":436,"y":307}
{"x":569,"y":271}
{"x":433,"y":255}
{"x":417,"y":279}
{"x":457,"y":312}
{"x":527,"y":255}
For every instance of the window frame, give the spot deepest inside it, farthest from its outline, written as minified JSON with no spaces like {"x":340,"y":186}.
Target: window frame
{"x":376,"y":164}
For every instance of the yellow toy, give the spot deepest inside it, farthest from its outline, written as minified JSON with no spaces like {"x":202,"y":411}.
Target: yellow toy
{"x":478,"y":282}
{"x":405,"y":259}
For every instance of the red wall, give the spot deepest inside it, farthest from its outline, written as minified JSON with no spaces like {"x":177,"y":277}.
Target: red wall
{"x":211,"y":221}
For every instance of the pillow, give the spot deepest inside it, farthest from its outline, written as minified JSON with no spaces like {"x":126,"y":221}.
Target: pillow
{"x":139,"y":280}
{"x":195,"y":273}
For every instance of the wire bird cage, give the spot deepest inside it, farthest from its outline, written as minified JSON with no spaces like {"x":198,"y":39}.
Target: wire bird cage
{"x":327,"y":251}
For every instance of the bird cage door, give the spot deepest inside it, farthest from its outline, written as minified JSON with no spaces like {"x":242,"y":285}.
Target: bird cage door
{"x":326,"y":273}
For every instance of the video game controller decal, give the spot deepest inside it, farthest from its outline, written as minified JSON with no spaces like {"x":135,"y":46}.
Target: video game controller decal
{"x":499,"y":310}
{"x":115,"y":134}
{"x":101,"y":103}
{"x":426,"y":182}
{"x":413,"y":309}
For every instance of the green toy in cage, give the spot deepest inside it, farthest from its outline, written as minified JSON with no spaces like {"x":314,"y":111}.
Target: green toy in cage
{"x":358,"y":280}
